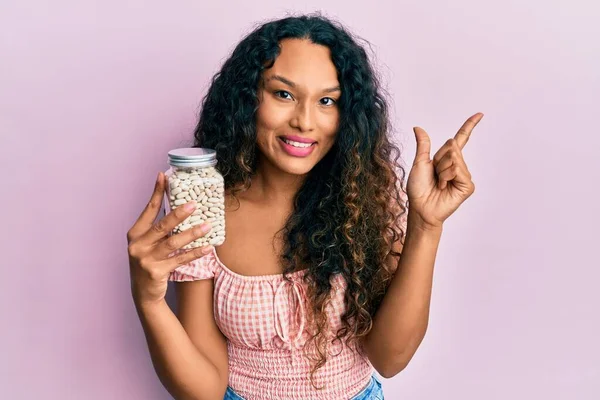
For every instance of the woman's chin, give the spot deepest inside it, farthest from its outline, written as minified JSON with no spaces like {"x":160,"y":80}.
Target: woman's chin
{"x":292,"y":165}
{"x":301,"y":167}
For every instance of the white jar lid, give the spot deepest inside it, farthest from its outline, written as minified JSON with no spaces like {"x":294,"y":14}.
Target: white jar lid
{"x":192,"y":157}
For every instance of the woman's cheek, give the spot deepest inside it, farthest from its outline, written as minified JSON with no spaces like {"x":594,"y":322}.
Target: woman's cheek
{"x":269,"y":116}
{"x":261,"y":140}
{"x":331,"y":127}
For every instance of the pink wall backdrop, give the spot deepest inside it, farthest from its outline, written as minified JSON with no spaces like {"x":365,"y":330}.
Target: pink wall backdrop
{"x":94,"y":94}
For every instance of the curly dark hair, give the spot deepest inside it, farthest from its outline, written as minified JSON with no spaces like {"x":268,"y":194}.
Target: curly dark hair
{"x":347,"y":211}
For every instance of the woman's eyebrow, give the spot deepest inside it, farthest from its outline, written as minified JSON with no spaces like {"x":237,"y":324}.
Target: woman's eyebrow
{"x":293,"y":85}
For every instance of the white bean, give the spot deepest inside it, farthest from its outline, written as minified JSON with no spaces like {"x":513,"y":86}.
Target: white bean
{"x":206,"y":186}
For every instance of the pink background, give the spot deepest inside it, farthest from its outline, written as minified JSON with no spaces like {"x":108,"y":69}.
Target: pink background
{"x":94,"y":94}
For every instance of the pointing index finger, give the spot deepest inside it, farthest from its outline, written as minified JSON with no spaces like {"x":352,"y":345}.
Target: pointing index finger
{"x":464,"y":133}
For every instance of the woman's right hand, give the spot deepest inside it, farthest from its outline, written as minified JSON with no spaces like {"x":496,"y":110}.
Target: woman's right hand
{"x":149,"y":247}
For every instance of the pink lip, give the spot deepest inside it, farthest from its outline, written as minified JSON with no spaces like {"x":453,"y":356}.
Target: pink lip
{"x":298,"y":139}
{"x":296,"y":151}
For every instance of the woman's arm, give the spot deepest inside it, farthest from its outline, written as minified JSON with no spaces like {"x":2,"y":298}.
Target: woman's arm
{"x":438,"y":187}
{"x":184,"y":370}
{"x":401,"y":321}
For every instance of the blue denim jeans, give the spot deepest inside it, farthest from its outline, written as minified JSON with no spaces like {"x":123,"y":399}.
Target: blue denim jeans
{"x":373,"y":391}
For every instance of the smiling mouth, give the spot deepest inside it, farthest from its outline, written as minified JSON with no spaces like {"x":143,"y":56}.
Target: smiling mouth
{"x":298,"y":147}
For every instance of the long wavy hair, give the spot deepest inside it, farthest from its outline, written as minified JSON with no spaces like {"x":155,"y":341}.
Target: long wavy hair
{"x":346,"y":213}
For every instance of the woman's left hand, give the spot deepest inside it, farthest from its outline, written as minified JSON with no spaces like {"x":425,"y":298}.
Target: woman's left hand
{"x":437,"y":187}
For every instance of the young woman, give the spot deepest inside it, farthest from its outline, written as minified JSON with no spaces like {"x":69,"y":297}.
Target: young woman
{"x":324,"y":276}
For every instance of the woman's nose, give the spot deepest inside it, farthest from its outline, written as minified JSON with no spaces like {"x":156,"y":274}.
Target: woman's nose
{"x":303,"y":119}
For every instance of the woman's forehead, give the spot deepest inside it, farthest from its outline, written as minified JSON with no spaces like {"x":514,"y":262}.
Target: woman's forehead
{"x":303,"y":64}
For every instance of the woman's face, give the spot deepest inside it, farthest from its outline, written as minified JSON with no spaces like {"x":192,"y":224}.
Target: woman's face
{"x":298,"y":98}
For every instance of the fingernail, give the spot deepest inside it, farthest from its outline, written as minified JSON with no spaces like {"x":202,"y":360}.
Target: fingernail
{"x":206,"y":227}
{"x":191,"y":206}
{"x":207,"y":250}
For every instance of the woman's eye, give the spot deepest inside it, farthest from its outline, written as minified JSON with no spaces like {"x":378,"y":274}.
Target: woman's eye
{"x":331,"y":101}
{"x":282,"y":93}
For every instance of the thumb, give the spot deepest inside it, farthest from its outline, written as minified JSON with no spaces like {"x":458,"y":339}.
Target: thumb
{"x":423,"y":145}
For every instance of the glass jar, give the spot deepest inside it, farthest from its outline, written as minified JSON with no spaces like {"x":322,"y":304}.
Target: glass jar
{"x":192,"y":176}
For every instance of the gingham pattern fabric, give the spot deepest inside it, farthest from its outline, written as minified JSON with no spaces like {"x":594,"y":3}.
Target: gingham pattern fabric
{"x":263,"y":319}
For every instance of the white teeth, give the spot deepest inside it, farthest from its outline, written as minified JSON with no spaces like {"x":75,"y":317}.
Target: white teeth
{"x":296,"y":144}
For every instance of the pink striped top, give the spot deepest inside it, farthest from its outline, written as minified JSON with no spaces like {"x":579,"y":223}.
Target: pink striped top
{"x":263,"y":319}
